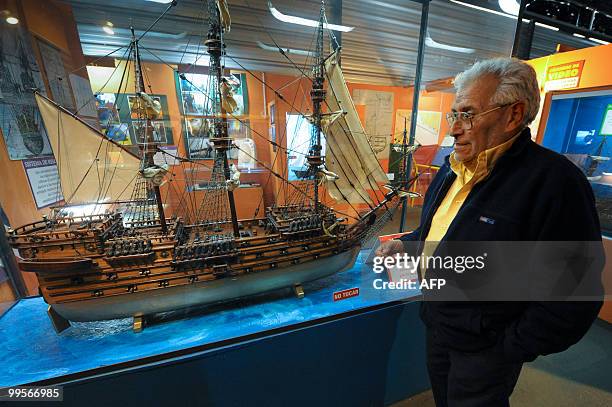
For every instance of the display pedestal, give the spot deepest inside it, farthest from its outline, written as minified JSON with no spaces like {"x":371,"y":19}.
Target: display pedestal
{"x":270,"y":350}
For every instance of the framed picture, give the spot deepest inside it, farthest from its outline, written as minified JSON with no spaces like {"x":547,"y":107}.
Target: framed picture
{"x":106,"y":105}
{"x":136,"y":105}
{"x":196,"y":93}
{"x":158,"y":130}
{"x":119,"y":132}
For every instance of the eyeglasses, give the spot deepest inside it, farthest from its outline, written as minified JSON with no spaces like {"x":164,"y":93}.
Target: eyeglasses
{"x":466,"y":118}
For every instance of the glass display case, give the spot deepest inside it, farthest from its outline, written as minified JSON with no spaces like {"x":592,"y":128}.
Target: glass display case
{"x":577,"y":124}
{"x":301,"y":115}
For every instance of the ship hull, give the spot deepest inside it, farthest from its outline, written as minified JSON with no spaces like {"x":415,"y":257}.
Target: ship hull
{"x":203,"y":293}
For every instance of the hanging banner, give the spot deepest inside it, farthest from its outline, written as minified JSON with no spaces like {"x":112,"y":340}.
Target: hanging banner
{"x":564,"y":76}
{"x":44,"y":181}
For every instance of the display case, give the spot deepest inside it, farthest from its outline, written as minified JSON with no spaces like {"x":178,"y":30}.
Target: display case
{"x":577,"y":124}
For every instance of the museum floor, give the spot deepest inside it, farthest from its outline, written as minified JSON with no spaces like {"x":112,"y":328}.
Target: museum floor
{"x":579,"y":376}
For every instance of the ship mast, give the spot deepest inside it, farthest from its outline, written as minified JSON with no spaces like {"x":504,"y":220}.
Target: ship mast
{"x":148,"y":147}
{"x":317,"y":95}
{"x":221,"y":141}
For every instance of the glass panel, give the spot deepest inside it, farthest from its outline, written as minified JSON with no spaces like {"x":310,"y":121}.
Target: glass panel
{"x":578,"y":126}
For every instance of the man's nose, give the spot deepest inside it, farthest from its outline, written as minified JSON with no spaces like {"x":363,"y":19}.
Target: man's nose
{"x":456,"y":129}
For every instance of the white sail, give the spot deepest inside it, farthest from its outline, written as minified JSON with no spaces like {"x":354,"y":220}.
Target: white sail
{"x":92,"y":168}
{"x":348,"y":153}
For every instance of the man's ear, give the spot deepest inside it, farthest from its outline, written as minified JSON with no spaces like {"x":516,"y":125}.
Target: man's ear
{"x":516,"y":115}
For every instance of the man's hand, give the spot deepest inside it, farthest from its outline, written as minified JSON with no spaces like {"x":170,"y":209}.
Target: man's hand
{"x":389,"y":248}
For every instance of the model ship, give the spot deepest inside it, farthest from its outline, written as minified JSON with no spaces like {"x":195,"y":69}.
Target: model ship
{"x":132,"y":260}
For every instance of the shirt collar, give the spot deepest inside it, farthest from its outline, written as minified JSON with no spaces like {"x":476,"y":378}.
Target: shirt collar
{"x":484,"y":162}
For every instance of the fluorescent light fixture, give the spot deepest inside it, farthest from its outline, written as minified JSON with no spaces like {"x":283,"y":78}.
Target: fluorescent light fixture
{"x":305,"y":21}
{"x":509,"y":6}
{"x":108,"y":30}
{"x":599,"y":41}
{"x":550,"y":27}
{"x":431,"y":43}
{"x":488,"y":10}
{"x":160,"y":1}
{"x":287,"y":50}
{"x":12,"y":20}
{"x":578,"y":35}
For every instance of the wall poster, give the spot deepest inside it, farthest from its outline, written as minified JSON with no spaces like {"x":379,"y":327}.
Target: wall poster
{"x":56,"y":75}
{"x":83,"y":96}
{"x":427,"y":128}
{"x":20,"y":120}
{"x":378,"y":118}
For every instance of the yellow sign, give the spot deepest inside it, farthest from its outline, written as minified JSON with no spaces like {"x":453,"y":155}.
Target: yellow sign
{"x":565,"y":76}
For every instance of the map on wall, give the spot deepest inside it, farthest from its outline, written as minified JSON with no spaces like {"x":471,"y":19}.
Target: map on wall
{"x":378,"y":118}
{"x":20,"y":120}
{"x":427,"y":128}
{"x":56,"y":75}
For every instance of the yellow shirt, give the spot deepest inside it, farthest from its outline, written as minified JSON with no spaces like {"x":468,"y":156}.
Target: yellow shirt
{"x":468,"y":175}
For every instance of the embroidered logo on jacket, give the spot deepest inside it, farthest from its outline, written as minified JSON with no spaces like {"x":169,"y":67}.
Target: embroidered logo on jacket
{"x":487,"y":220}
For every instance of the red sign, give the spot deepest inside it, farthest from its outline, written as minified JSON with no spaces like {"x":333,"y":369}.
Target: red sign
{"x":344,"y":294}
{"x":564,"y":76}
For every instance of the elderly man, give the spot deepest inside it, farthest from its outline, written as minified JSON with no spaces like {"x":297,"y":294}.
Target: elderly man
{"x":498,"y":185}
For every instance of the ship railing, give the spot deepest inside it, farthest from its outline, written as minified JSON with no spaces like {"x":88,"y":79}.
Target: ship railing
{"x":59,"y":221}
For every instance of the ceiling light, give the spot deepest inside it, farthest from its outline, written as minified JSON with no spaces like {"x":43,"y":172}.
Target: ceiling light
{"x":160,"y":1}
{"x":12,"y":20}
{"x":305,"y":21}
{"x":431,"y":43}
{"x":579,"y":35}
{"x":509,"y":6}
{"x":488,"y":10}
{"x":599,"y":41}
{"x":108,"y":30}
{"x":550,"y":27}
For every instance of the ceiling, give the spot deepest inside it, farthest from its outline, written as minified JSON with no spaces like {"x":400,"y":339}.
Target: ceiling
{"x":382,"y":48}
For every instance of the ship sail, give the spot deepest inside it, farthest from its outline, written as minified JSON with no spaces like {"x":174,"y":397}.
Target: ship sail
{"x":92,"y":168}
{"x":349,"y":154}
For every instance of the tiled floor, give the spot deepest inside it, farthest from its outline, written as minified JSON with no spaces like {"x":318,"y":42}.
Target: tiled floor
{"x":580,"y":376}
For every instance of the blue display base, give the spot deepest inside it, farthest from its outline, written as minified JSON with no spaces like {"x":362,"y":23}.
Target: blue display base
{"x":31,"y":351}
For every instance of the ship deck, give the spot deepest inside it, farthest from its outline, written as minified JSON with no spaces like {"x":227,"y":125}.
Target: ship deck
{"x":31,"y":351}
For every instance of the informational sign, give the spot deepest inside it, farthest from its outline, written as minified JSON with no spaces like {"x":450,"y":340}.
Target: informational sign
{"x":44,"y":180}
{"x":564,"y":76}
{"x":344,"y":294}
{"x":606,"y":124}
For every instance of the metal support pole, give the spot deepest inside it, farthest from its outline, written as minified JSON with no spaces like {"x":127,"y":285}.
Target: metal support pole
{"x":517,"y":31}
{"x":415,"y":98}
{"x":336,"y":18}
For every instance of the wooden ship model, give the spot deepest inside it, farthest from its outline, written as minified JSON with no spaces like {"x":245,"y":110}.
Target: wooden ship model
{"x":131,"y":260}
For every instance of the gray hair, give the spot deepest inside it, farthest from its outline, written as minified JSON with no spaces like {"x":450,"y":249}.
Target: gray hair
{"x":517,"y":82}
